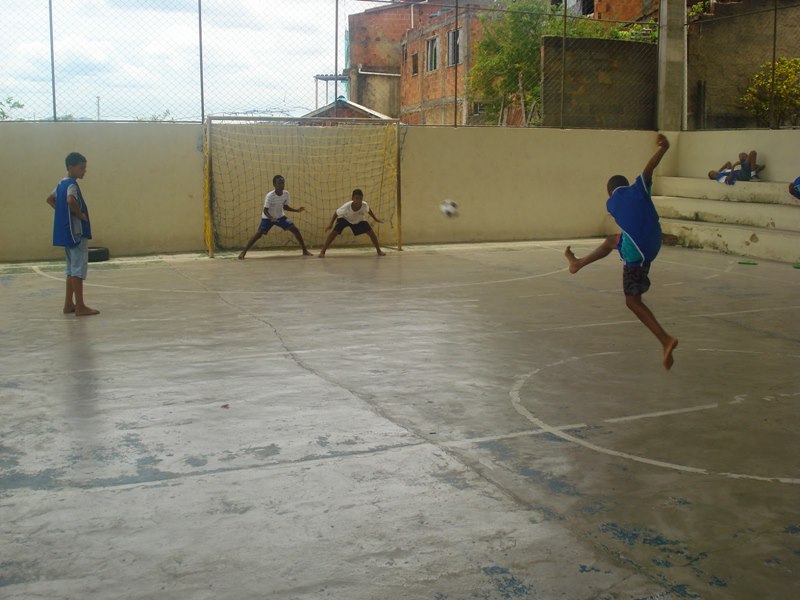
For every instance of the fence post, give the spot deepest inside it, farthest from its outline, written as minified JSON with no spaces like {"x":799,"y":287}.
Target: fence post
{"x":671,"y":65}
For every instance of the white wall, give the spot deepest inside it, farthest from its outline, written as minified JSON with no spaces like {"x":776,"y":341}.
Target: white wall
{"x":143,"y":186}
{"x":144,"y":183}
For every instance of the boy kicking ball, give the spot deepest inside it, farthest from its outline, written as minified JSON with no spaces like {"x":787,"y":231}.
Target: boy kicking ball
{"x":638,"y":244}
{"x":352,"y":214}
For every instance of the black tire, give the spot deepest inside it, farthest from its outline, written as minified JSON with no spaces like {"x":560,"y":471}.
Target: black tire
{"x":98,"y":254}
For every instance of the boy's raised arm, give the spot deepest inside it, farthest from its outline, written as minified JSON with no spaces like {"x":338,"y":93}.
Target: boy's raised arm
{"x":663,"y":145}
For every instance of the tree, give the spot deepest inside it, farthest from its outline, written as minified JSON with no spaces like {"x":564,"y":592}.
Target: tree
{"x":507,"y":65}
{"x":781,"y":104}
{"x":7,"y":105}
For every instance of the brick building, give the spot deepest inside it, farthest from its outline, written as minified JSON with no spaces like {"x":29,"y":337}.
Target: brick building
{"x":410,"y":59}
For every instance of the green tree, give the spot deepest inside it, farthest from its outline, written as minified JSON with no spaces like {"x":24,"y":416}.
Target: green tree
{"x":507,"y":64}
{"x":775,"y":108}
{"x":7,"y":105}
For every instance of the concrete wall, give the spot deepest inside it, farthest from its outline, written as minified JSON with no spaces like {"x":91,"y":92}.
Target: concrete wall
{"x":727,"y":53}
{"x":143,"y":186}
{"x":515,"y":184}
{"x":608,"y":83}
{"x":701,"y":151}
{"x":144,"y":183}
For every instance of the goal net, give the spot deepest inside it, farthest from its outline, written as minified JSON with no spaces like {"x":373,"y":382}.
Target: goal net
{"x":322,"y":161}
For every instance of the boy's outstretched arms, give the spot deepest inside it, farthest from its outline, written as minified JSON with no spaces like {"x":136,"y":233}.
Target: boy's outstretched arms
{"x":663,"y":145}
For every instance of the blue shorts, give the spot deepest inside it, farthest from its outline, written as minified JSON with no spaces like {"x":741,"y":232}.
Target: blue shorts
{"x":284,"y":223}
{"x":78,"y":259}
{"x":356,"y":228}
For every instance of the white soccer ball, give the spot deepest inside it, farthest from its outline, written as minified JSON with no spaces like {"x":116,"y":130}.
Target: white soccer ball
{"x":449,"y":208}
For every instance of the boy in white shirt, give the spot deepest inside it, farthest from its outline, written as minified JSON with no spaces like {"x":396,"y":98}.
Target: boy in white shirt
{"x":352,"y":214}
{"x":275,"y":202}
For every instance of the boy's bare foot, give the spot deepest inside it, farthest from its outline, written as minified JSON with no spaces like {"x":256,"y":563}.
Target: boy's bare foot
{"x":574,"y":265}
{"x":381,"y":253}
{"x":306,"y":253}
{"x":85,"y":312}
{"x":69,"y":309}
{"x":241,"y":255}
{"x":668,"y":348}
{"x":322,"y":254}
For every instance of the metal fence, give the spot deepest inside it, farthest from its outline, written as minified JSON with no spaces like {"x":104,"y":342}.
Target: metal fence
{"x":440,"y":62}
{"x":169,"y":59}
{"x":743,"y":65}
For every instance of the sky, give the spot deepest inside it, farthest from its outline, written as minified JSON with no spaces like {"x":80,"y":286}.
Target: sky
{"x":138,"y":59}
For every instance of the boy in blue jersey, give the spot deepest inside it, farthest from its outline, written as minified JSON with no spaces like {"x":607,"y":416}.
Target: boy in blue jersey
{"x":638,"y":244}
{"x":275,"y":202}
{"x":794,"y":188}
{"x":72,"y":230}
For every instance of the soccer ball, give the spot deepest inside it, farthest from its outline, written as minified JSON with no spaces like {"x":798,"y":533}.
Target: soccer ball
{"x":449,"y":208}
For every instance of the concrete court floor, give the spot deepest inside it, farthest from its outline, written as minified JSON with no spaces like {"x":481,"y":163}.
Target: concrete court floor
{"x":443,"y":423}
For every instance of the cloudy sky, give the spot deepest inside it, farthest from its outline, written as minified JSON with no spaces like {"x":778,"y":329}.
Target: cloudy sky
{"x":141,"y":57}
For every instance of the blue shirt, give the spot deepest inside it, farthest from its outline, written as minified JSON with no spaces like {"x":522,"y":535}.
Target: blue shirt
{"x":63,"y":234}
{"x":634,"y":212}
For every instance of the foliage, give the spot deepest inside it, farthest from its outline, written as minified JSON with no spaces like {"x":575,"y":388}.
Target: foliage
{"x":7,"y":105}
{"x":507,"y":65}
{"x":636,"y":32}
{"x":699,"y":10}
{"x":760,"y":100}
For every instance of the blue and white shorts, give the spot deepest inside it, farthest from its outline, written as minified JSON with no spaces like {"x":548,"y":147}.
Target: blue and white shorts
{"x":78,"y":259}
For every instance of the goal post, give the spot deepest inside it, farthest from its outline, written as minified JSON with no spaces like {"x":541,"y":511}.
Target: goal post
{"x":322,"y":160}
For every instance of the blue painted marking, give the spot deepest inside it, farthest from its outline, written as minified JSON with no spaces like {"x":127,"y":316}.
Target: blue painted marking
{"x":506,"y":584}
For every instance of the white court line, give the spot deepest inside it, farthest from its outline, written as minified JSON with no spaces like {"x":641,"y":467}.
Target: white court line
{"x":393,"y":290}
{"x":662,"y":413}
{"x":508,"y":436}
{"x":516,"y":402}
{"x":674,"y":283}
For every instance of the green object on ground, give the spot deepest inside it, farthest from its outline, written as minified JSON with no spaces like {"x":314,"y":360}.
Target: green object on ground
{"x":796,"y":265}
{"x":747,"y":262}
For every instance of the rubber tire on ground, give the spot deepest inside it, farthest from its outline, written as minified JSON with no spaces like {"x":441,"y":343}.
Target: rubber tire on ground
{"x":98,"y":254}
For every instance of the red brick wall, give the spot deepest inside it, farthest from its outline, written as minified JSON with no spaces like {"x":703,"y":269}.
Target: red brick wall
{"x":428,"y":97}
{"x":375,"y":35}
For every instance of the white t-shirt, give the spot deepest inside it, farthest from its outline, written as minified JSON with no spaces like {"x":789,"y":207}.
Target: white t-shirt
{"x":346,"y":211}
{"x":274,"y":204}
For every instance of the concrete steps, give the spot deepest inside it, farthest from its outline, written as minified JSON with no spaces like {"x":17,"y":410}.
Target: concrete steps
{"x":757,"y":220}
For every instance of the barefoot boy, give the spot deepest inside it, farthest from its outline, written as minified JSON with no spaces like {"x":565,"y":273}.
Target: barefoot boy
{"x":638,"y":244}
{"x":72,"y":230}
{"x":352,"y":214}
{"x":275,"y":202}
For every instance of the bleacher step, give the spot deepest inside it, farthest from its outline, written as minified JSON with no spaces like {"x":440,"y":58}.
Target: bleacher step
{"x":747,"y":214}
{"x":763,"y":192}
{"x":767,"y":244}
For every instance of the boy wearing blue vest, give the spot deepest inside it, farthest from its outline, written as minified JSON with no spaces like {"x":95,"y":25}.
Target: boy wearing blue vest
{"x":72,"y":230}
{"x":638,"y":244}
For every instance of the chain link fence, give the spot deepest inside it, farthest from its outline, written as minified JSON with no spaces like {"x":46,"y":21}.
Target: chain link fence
{"x":165,"y":60}
{"x":586,"y":63}
{"x":743,"y":65}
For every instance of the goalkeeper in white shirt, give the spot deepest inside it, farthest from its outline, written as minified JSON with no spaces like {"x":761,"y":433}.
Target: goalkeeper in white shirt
{"x":352,"y":214}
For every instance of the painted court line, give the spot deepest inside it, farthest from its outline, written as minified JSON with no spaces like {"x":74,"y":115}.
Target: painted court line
{"x":393,"y":290}
{"x":508,"y":436}
{"x":516,"y":402}
{"x":662,"y":413}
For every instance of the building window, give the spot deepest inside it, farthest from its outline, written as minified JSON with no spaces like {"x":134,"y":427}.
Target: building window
{"x":414,"y":63}
{"x":405,"y":54}
{"x":477,"y":108}
{"x":432,"y":54}
{"x":587,"y":7}
{"x":454,"y":47}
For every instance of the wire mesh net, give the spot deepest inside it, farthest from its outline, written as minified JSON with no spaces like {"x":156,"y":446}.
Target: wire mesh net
{"x":743,"y":67}
{"x":322,"y":162}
